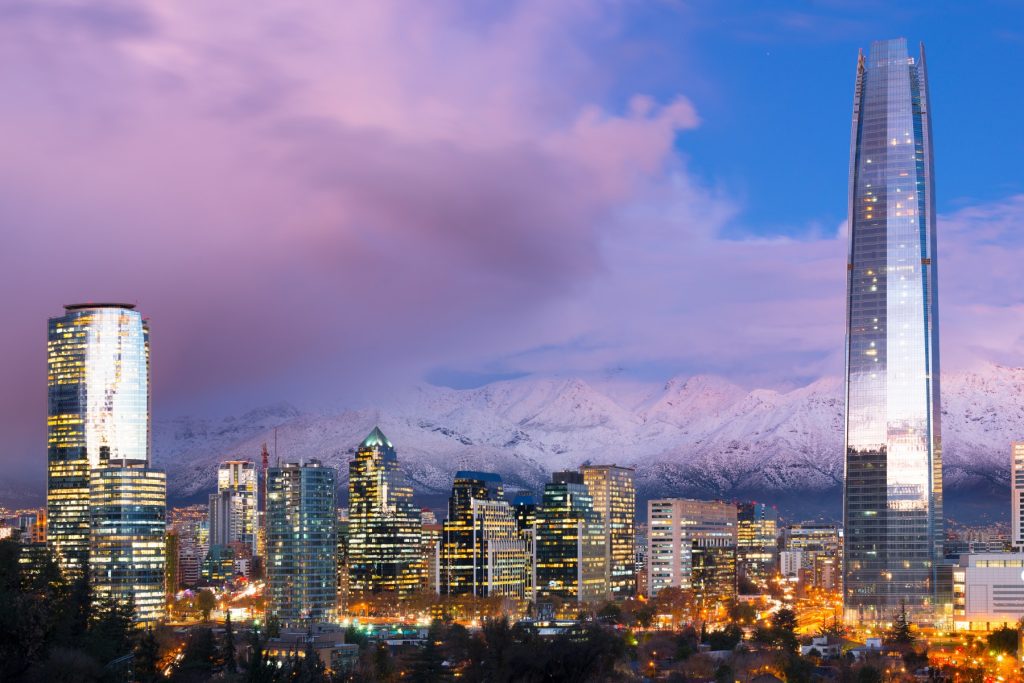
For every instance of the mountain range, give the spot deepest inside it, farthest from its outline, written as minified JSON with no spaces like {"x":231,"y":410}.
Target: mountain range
{"x":700,"y":436}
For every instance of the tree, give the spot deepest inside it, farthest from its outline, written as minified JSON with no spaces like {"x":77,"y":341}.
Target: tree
{"x":310,"y":668}
{"x":869,"y":674}
{"x":428,"y":666}
{"x":110,"y":629}
{"x":273,"y":626}
{"x":147,"y":658}
{"x":784,"y":629}
{"x":1004,"y":639}
{"x":725,"y":639}
{"x":198,"y":658}
{"x":230,"y":655}
{"x":900,"y":633}
{"x":206,"y":601}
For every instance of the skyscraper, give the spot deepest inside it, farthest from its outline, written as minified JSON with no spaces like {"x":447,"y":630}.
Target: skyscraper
{"x":756,"y":541}
{"x":679,"y":527}
{"x":384,"y":525}
{"x":482,"y":552}
{"x":893,"y":492}
{"x":1017,"y":496}
{"x":98,"y":414}
{"x":233,"y":507}
{"x":302,"y":543}
{"x":614,"y":496}
{"x":127,"y":545}
{"x":569,"y":548}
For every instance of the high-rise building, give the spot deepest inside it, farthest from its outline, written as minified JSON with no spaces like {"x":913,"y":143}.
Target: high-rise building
{"x":482,"y":553}
{"x":679,"y":527}
{"x":757,"y":527}
{"x":1017,"y":495}
{"x":233,"y":507}
{"x":526,"y":524}
{"x":302,"y":543}
{"x":893,"y":492}
{"x":98,"y":414}
{"x":808,"y":543}
{"x":127,"y":544}
{"x":430,"y":549}
{"x":569,"y":551}
{"x":384,"y":525}
{"x":614,"y":496}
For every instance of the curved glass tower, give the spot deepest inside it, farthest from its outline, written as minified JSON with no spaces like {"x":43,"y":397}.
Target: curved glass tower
{"x":893,"y":493}
{"x":98,"y":413}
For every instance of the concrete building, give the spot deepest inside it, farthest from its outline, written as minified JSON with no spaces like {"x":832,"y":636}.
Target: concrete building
{"x":614,"y":496}
{"x":988,"y":591}
{"x":677,"y":528}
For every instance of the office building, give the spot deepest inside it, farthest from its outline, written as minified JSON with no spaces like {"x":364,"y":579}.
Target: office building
{"x":893,"y":489}
{"x":482,"y":553}
{"x":614,"y":495}
{"x":1017,"y":495}
{"x":385,"y":528}
{"x":677,"y":527}
{"x":812,"y":542}
{"x":569,"y":552}
{"x":757,"y":529}
{"x":127,"y":546}
{"x":988,"y":591}
{"x":302,"y":543}
{"x":97,"y":414}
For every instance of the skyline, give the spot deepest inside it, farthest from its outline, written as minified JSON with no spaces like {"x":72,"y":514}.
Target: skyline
{"x":271,"y":302}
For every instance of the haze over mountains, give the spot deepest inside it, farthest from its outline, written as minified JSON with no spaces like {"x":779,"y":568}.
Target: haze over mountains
{"x":697,"y":436}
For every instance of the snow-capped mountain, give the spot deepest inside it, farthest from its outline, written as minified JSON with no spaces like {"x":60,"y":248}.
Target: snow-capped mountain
{"x":693,"y":436}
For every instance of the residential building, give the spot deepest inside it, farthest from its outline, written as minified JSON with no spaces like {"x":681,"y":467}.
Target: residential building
{"x":302,"y":543}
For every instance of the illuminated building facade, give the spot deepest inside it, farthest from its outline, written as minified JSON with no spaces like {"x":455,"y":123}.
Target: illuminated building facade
{"x":713,"y":572}
{"x":893,"y":491}
{"x":1017,"y":495}
{"x":569,"y":552}
{"x":385,"y":528}
{"x":97,"y":414}
{"x":677,"y":527}
{"x":127,"y":546}
{"x":757,"y":538}
{"x":482,"y":553}
{"x":302,"y":543}
{"x":525,"y":508}
{"x":614,"y":496}
{"x":233,"y":508}
{"x":810,"y":544}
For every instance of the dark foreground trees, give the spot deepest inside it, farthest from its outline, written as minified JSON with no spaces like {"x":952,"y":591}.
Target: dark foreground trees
{"x":49,"y":628}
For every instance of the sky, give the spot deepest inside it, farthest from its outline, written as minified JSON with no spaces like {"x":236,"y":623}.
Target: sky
{"x":325,"y":202}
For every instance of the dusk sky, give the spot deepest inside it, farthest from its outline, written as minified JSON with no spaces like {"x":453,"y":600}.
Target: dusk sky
{"x":309,"y":197}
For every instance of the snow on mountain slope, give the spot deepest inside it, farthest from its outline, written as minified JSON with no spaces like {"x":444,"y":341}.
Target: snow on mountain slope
{"x":693,"y":436}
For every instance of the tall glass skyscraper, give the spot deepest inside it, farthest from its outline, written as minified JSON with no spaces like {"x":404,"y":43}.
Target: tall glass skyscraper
{"x":385,"y":527}
{"x":302,"y":543}
{"x":98,"y":413}
{"x":893,"y":494}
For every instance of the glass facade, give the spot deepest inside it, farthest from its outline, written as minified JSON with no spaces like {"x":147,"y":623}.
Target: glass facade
{"x":385,"y":527}
{"x":127,"y":547}
{"x":893,"y":492}
{"x":569,"y":546}
{"x":757,"y":530}
{"x":302,"y":543}
{"x":98,"y":413}
{"x":482,"y":551}
{"x":614,"y":497}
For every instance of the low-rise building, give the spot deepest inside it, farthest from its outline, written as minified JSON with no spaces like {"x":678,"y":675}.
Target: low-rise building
{"x":988,"y":591}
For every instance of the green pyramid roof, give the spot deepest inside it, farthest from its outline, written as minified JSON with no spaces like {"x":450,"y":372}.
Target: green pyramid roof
{"x":376,"y":439}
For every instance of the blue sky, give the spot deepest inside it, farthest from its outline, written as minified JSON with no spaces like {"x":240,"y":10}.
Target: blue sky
{"x":329,"y":201}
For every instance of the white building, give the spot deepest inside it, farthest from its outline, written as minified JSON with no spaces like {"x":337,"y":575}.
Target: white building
{"x":673,"y":525}
{"x":988,"y":591}
{"x":791,"y":562}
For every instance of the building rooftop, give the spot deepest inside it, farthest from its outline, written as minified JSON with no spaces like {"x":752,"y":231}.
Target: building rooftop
{"x":376,"y":439}
{"x":79,"y":307}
